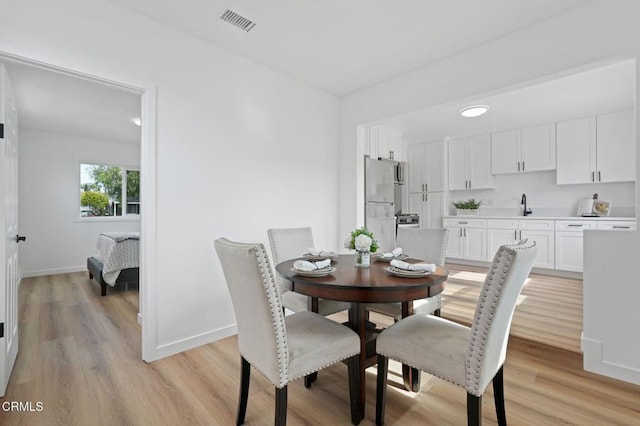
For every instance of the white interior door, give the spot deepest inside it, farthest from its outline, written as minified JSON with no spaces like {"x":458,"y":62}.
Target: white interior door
{"x":9,"y":270}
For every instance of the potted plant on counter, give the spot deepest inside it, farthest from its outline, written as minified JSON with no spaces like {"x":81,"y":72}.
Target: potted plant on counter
{"x":467,"y":207}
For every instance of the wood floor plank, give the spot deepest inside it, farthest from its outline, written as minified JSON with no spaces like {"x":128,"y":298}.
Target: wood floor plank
{"x":80,"y":356}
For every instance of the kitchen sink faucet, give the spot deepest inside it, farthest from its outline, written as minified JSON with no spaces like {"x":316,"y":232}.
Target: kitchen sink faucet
{"x":525,"y":210}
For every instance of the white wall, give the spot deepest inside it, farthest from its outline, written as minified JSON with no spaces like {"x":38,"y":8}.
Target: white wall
{"x":240,"y":149}
{"x":57,"y":240}
{"x":601,"y":32}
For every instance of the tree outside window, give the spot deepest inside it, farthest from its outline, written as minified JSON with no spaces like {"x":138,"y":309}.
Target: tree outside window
{"x":105,"y":189}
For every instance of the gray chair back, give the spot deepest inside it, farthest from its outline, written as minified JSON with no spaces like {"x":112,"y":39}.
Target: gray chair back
{"x":424,"y":244}
{"x":286,"y":244}
{"x":492,"y":320}
{"x":262,"y":338}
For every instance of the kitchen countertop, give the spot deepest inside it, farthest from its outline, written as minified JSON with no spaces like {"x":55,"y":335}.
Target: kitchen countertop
{"x":530,"y":217}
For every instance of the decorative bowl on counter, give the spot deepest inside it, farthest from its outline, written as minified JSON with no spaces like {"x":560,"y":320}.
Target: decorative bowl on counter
{"x":603,"y":208}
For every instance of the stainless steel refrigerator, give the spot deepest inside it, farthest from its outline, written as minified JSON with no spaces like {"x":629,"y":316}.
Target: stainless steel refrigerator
{"x":379,"y":180}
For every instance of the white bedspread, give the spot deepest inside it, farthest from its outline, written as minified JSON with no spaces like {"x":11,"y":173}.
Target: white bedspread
{"x":117,"y":251}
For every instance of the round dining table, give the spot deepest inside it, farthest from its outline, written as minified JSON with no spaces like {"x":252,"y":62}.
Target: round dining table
{"x":360,"y":286}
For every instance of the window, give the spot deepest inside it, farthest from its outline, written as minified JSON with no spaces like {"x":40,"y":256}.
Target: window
{"x":105,"y":189}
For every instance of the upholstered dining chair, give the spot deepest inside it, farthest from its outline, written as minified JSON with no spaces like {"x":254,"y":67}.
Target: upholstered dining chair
{"x":425,"y":244}
{"x":281,"y":348}
{"x":291,"y":243}
{"x":469,"y":357}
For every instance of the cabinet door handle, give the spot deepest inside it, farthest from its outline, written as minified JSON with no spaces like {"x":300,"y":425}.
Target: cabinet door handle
{"x":460,"y":232}
{"x":521,"y":231}
{"x":462,"y":223}
{"x":571,"y":225}
{"x":515,"y":235}
{"x":599,"y":179}
{"x":469,"y":183}
{"x":465,"y":232}
{"x":621,"y":227}
{"x":518,"y":166}
{"x":523,"y":166}
{"x":426,"y":187}
{"x":593,"y":176}
{"x":426,"y":197}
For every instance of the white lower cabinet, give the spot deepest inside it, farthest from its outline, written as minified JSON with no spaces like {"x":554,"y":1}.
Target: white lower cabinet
{"x":467,"y":239}
{"x":569,"y":247}
{"x":505,"y":231}
{"x":620,"y":225}
{"x":559,"y":242}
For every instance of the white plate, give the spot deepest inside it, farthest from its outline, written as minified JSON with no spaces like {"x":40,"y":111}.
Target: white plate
{"x":326,"y":255}
{"x":407,"y":274}
{"x":316,"y":272}
{"x":379,"y":258}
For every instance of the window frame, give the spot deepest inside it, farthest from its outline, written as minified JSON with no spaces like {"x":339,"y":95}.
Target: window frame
{"x":124,"y":217}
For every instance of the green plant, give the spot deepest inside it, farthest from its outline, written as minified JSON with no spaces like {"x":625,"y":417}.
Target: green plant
{"x":98,"y":201}
{"x":350,"y":243}
{"x":470,"y":204}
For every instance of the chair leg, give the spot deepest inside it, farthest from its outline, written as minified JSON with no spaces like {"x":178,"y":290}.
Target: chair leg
{"x":437,"y":312}
{"x":381,"y":388}
{"x":498,"y":396}
{"x":353,"y":367}
{"x":281,"y":407}
{"x":474,"y":410}
{"x":310,"y":379}
{"x":245,"y":374}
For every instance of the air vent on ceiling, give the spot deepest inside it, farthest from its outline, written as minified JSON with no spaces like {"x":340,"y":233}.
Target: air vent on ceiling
{"x":237,"y":20}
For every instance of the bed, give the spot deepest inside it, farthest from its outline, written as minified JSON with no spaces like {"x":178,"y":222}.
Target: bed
{"x":116,"y":260}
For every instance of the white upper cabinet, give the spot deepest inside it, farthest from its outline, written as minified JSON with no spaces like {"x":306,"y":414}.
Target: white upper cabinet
{"x":576,"y":150}
{"x":470,"y":163}
{"x":383,"y":142}
{"x":597,"y":149}
{"x":530,"y":149}
{"x":616,"y":147}
{"x":426,"y":171}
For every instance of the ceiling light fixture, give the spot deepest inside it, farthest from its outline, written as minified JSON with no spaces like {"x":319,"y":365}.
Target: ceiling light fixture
{"x":473,"y":111}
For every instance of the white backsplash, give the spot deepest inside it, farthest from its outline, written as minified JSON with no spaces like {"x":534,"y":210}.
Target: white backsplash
{"x":545,"y":197}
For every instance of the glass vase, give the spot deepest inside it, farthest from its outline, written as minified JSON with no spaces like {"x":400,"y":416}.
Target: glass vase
{"x":363,"y":259}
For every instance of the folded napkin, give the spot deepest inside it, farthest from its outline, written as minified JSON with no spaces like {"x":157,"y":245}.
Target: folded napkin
{"x":303,"y":265}
{"x":393,"y":253}
{"x":429,"y":267}
{"x":317,"y":252}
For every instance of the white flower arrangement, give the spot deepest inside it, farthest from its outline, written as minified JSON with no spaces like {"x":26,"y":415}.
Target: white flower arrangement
{"x":361,"y":240}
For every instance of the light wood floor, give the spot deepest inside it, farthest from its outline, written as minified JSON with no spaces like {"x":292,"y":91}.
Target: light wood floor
{"x":80,"y":356}
{"x":549,"y":308}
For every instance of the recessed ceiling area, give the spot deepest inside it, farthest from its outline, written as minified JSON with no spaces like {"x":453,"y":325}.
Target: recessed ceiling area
{"x":603,"y":89}
{"x":52,"y":101}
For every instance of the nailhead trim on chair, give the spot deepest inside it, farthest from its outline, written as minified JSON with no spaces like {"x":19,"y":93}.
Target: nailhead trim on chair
{"x":484,"y":314}
{"x":276,"y":313}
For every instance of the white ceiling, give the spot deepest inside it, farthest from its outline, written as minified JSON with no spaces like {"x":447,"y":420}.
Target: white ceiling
{"x":604,"y":89}
{"x":59,"y":103}
{"x":342,"y":46}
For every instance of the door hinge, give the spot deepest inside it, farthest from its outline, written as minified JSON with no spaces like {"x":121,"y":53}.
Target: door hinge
{"x":1,"y":130}
{"x":1,"y":329}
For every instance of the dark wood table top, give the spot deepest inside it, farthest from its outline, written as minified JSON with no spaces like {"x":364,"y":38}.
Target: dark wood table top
{"x":364,"y":285}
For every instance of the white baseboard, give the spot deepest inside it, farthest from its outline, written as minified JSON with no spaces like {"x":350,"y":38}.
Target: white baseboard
{"x":182,"y":345}
{"x":55,"y":271}
{"x":593,"y":361}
